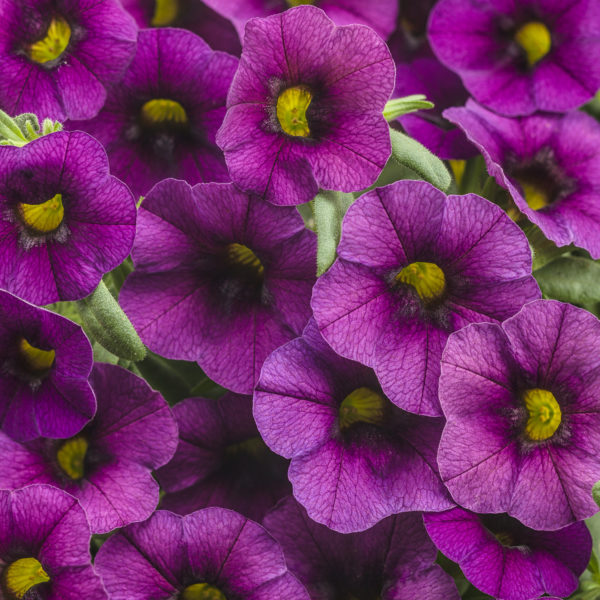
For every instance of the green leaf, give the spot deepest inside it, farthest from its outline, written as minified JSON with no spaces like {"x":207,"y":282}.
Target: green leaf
{"x":596,"y":496}
{"x":329,"y":209}
{"x":573,"y":279}
{"x":401,"y":106}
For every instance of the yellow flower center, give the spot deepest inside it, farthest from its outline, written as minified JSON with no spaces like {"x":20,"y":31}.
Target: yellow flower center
{"x":241,"y":256}
{"x":458,"y":169}
{"x":159,"y":111}
{"x":292,"y":105}
{"x":535,"y":39}
{"x":44,"y":217}
{"x":21,"y":575}
{"x":53,"y":44}
{"x":427,"y":279}
{"x":202,"y":591}
{"x":362,"y":405}
{"x":292,"y":3}
{"x":544,"y":414}
{"x":165,"y":12}
{"x":71,"y":457}
{"x":36,"y":359}
{"x":536,"y":197}
{"x":505,"y":538}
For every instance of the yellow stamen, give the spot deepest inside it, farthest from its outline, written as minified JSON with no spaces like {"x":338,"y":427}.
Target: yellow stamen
{"x":165,"y":12}
{"x":21,"y":575}
{"x":240,"y":255}
{"x":292,"y":3}
{"x":44,"y":217}
{"x":427,"y":279}
{"x":505,"y":538}
{"x":535,"y":197}
{"x":53,"y":44}
{"x":159,"y":111}
{"x":36,"y":359}
{"x":458,"y":169}
{"x":534,"y":37}
{"x":202,"y":591}
{"x":292,"y":105}
{"x":362,"y":405}
{"x":544,"y":414}
{"x":253,"y":446}
{"x":71,"y":457}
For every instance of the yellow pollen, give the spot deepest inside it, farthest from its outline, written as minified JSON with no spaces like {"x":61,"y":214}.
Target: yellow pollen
{"x":362,"y":405}
{"x":544,"y":414}
{"x":71,"y":457}
{"x":159,"y":111}
{"x":535,"y":197}
{"x":36,"y":359}
{"x":53,"y":44}
{"x":21,"y":575}
{"x":240,"y":255}
{"x":202,"y":591}
{"x":427,"y":278}
{"x":292,"y":105}
{"x":535,"y":39}
{"x":44,"y":217}
{"x":165,"y":12}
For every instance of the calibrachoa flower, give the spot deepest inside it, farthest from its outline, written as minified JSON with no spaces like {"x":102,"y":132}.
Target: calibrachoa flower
{"x":45,"y":361}
{"x":356,"y":458}
{"x":161,"y":120}
{"x":549,"y":164}
{"x":64,"y":220}
{"x":212,"y":554}
{"x":391,"y":561}
{"x":57,"y":57}
{"x":507,"y":560}
{"x":380,"y":16}
{"x":45,"y":550}
{"x":221,"y":460}
{"x":522,"y":401}
{"x":305,"y":107}
{"x":220,"y":277}
{"x":194,"y":15}
{"x":415,"y":265}
{"x":108,"y":465}
{"x":521,"y":57}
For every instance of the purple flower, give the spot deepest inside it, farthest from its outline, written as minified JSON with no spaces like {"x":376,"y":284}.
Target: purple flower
{"x":212,"y":554}
{"x":380,"y":16}
{"x":64,"y":220}
{"x":415,"y":265}
{"x":193,"y":15}
{"x":45,"y":549}
{"x":161,"y":120}
{"x":107,"y":466}
{"x":521,"y":57}
{"x":221,"y":278}
{"x":305,"y":107}
{"x":391,"y":561}
{"x":522,"y":401}
{"x":356,"y":458}
{"x":45,"y":361}
{"x":409,"y":39}
{"x":221,"y":460}
{"x":58,"y":57}
{"x":507,"y":560}
{"x":549,"y":164}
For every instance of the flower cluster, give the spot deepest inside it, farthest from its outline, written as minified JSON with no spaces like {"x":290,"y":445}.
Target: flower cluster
{"x":258,"y":341}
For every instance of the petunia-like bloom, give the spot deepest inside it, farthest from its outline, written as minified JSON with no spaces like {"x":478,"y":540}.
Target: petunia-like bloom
{"x":391,"y":561}
{"x":193,"y":15}
{"x":220,"y":278}
{"x":221,"y":460}
{"x":380,"y":16}
{"x":305,"y":107}
{"x":45,"y":362}
{"x":415,"y":265}
{"x":409,"y":39}
{"x":64,"y":220}
{"x":107,"y":465}
{"x":45,"y":550}
{"x":507,"y":560}
{"x":356,"y":458}
{"x":57,"y":58}
{"x":162,"y":118}
{"x":522,"y":401}
{"x":549,"y":164}
{"x":521,"y":57}
{"x":212,"y":554}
